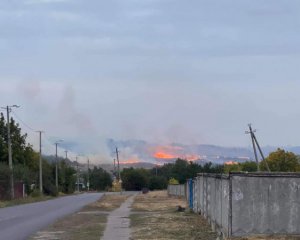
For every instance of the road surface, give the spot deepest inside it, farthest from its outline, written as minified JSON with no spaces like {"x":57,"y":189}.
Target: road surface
{"x":19,"y":222}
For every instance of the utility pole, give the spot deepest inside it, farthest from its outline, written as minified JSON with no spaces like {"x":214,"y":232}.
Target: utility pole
{"x":66,"y":154}
{"x":255,"y":143}
{"x":41,"y":162}
{"x":88,"y":182}
{"x":115,"y":170}
{"x":10,"y":162}
{"x":251,"y":132}
{"x":118,"y":162}
{"x":77,"y":173}
{"x":261,"y":153}
{"x":56,"y":163}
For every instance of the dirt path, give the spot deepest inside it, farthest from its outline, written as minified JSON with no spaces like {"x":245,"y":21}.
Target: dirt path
{"x":118,"y":222}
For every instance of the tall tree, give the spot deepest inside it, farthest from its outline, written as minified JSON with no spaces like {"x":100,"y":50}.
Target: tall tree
{"x":281,"y":161}
{"x":100,"y":179}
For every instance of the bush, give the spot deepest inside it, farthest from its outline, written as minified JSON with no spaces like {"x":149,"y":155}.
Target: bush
{"x":36,"y":193}
{"x":173,"y":181}
{"x":157,"y":183}
{"x":4,"y":181}
{"x":51,"y":190}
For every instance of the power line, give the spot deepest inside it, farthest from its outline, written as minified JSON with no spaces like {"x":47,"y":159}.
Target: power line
{"x":25,"y":124}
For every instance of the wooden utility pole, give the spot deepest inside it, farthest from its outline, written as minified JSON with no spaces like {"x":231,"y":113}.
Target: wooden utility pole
{"x":10,"y":163}
{"x":115,"y":170}
{"x":88,"y":176}
{"x":255,"y":143}
{"x":118,"y":162}
{"x":41,"y":163}
{"x":66,"y":154}
{"x":77,"y":174}
{"x":56,"y":163}
{"x":251,"y":132}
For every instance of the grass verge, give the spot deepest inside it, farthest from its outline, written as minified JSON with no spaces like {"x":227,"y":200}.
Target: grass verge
{"x":271,"y":237}
{"x":156,"y":218}
{"x":24,"y":201}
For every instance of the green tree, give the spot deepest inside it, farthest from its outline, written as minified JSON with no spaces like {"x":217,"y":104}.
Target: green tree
{"x":67,"y":178}
{"x":100,"y":179}
{"x":157,"y":183}
{"x":4,"y":181}
{"x":134,"y":179}
{"x":281,"y":161}
{"x":232,"y":168}
{"x":248,"y":166}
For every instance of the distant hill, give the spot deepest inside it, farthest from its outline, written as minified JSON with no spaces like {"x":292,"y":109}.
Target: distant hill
{"x":145,"y":151}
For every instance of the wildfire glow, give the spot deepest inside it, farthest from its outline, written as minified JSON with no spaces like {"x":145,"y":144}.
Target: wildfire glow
{"x":164,"y":155}
{"x":230,"y":163}
{"x":173,"y":152}
{"x":130,"y":161}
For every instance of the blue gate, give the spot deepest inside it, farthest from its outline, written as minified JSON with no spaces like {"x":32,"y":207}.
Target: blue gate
{"x":191,"y":194}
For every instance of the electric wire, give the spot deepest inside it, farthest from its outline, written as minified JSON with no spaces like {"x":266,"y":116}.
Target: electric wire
{"x":23,"y":122}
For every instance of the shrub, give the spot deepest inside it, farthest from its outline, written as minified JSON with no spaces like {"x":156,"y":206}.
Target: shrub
{"x":173,"y":181}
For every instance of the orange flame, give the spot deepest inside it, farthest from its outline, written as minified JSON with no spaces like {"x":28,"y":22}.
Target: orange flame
{"x":164,"y":155}
{"x":173,"y":152}
{"x":130,"y":161}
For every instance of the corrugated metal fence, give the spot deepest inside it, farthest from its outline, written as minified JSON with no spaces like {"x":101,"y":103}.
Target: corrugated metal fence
{"x":242,"y":204}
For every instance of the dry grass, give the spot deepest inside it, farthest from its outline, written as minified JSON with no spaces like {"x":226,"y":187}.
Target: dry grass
{"x":156,"y":201}
{"x":88,"y":223}
{"x":272,"y":237}
{"x":75,"y":227}
{"x":160,"y":220}
{"x":108,"y":202}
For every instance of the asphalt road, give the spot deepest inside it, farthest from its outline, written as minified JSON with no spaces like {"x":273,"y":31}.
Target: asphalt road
{"x":19,"y":222}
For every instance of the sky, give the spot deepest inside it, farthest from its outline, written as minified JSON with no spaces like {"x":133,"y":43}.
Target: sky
{"x":163,"y":71}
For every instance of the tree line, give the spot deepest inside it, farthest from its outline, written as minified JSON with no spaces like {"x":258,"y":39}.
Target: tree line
{"x":26,"y":167}
{"x":178,"y":172}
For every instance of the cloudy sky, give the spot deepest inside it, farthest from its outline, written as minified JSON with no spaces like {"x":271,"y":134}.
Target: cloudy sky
{"x":164,"y":71}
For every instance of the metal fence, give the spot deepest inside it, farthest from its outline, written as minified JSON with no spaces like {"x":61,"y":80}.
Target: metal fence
{"x":242,"y":204}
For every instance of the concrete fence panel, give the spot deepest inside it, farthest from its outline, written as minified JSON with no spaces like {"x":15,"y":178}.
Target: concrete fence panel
{"x":265,"y":204}
{"x":177,"y":190}
{"x":242,"y":204}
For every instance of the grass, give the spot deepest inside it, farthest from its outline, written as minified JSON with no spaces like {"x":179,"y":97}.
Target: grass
{"x":74,"y":227}
{"x":155,"y":217}
{"x":108,"y":202}
{"x":24,"y":201}
{"x":88,"y":223}
{"x":271,"y":237}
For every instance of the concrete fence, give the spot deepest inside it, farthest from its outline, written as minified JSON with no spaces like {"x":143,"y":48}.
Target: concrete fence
{"x":242,"y":204}
{"x":177,"y":190}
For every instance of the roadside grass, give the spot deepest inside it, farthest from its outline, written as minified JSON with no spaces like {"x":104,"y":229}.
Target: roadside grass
{"x":271,"y":237}
{"x":108,"y":202}
{"x":75,"y":227}
{"x":155,"y":216}
{"x":88,"y":223}
{"x":25,"y":200}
